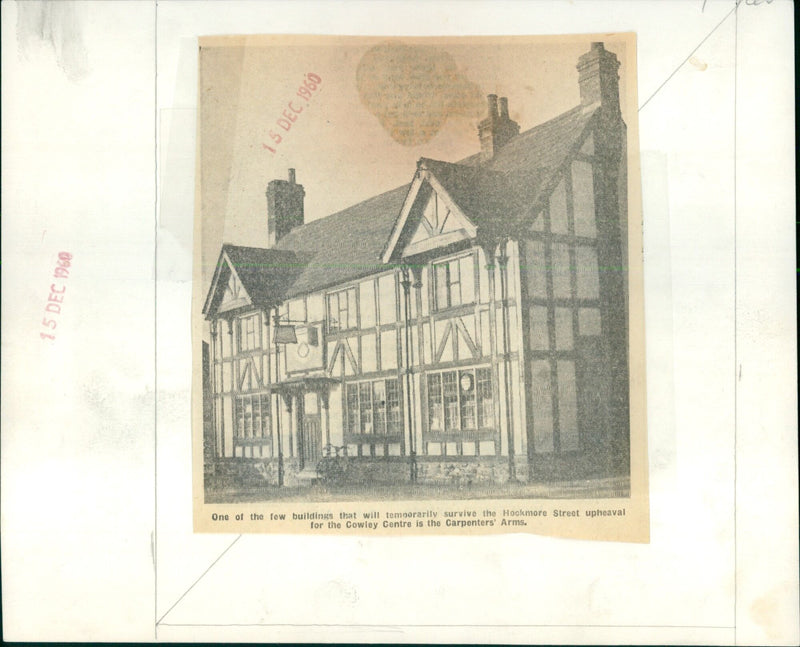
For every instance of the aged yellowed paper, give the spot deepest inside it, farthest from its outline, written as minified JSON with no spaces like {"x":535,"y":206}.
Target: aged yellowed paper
{"x":418,"y":302}
{"x":96,"y":437}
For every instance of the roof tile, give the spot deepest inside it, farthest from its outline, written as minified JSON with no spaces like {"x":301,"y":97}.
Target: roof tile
{"x":348,"y":245}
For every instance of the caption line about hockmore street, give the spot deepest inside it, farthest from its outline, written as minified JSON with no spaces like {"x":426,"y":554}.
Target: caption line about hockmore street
{"x":374,"y":520}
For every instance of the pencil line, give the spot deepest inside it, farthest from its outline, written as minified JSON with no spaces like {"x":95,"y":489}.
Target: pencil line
{"x":423,"y":626}
{"x":186,"y":592}
{"x":699,"y":45}
{"x":735,"y":322}
{"x":155,"y":324}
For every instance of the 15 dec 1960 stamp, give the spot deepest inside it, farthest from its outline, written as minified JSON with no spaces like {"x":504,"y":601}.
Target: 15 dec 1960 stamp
{"x":55,"y":299}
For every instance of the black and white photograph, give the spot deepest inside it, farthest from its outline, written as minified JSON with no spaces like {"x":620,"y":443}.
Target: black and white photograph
{"x":435,"y":304}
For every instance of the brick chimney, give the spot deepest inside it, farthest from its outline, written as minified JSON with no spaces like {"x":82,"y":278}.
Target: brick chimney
{"x":497,"y":129}
{"x":598,"y":78}
{"x":284,"y":207}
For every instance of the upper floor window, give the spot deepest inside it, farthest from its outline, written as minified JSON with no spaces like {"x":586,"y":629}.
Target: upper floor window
{"x":454,"y":282}
{"x":249,"y":329}
{"x":342,"y":314}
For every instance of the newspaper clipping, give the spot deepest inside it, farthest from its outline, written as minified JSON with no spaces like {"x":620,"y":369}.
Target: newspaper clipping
{"x":418,"y":287}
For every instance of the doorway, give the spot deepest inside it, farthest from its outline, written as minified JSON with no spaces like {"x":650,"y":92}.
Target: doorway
{"x":311,"y":436}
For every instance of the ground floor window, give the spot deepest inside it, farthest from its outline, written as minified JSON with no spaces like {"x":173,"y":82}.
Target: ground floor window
{"x":251,"y":415}
{"x":460,"y":400}
{"x":374,"y":407}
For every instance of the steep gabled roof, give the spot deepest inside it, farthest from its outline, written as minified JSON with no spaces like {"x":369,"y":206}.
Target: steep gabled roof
{"x":528,"y":162}
{"x":500,"y":194}
{"x":344,"y":246}
{"x":545,"y":145}
{"x":496,"y":195}
{"x":488,"y":198}
{"x":265,"y":274}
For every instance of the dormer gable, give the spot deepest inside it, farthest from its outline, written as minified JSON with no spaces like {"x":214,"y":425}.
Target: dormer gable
{"x":227,"y":292}
{"x":439,"y":227}
{"x":429,"y":219}
{"x":234,"y":296}
{"x":254,"y":277}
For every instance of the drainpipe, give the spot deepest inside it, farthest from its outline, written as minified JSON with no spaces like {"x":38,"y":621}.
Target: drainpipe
{"x":406,"y":283}
{"x":276,"y":318}
{"x":502,"y":261}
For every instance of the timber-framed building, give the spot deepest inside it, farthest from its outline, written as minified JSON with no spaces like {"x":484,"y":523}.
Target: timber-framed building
{"x":468,"y":327}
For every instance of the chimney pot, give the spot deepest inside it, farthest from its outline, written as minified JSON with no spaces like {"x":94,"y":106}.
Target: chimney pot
{"x":285,"y":209}
{"x":492,"y":106}
{"x":497,"y":129}
{"x":504,"y":107}
{"x":598,"y":78}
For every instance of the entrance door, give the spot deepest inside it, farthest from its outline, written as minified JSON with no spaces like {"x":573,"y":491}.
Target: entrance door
{"x":312,"y":440}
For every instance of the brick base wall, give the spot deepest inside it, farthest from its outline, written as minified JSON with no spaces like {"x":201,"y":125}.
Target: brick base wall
{"x":248,"y":473}
{"x":375,"y":470}
{"x":244,"y":472}
{"x":461,"y":472}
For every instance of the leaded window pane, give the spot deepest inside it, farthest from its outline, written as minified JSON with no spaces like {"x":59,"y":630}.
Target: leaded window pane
{"x":485,"y":399}
{"x":393,"y":407}
{"x":454,"y":283}
{"x":435,"y":412}
{"x":450,"y":397}
{"x":248,"y":332}
{"x":379,"y":406}
{"x":353,"y":410}
{"x":365,"y":397}
{"x":466,"y":383}
{"x":333,"y":312}
{"x":251,"y":415}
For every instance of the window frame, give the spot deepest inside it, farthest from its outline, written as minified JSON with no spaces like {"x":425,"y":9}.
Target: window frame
{"x":242,"y":334}
{"x":244,"y":434}
{"x":447,"y":266}
{"x":351,"y":297}
{"x":436,"y":400}
{"x":391,"y":417}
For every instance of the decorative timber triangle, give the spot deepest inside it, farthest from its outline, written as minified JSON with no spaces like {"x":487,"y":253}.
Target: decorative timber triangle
{"x":429,"y":219}
{"x":467,"y":338}
{"x":227,"y":292}
{"x":249,"y":377}
{"x":438,"y":227}
{"x":342,"y":361}
{"x":333,"y":359}
{"x":234,"y":295}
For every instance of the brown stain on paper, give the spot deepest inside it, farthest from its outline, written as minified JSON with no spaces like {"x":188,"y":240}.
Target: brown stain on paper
{"x":700,"y":65}
{"x":767,"y":614}
{"x":414,"y":89}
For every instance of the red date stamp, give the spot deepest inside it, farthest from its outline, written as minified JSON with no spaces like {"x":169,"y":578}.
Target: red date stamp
{"x":311,"y":83}
{"x":56,"y":297}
